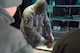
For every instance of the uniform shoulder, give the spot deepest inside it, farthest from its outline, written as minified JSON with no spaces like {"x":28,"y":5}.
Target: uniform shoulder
{"x":28,"y":10}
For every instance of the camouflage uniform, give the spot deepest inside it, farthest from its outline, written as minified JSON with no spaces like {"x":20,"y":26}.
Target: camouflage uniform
{"x":31,"y":24}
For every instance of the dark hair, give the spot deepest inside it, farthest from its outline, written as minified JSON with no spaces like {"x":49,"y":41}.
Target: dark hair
{"x":40,"y":5}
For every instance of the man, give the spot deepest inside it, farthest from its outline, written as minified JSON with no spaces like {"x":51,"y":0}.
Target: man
{"x":11,"y":39}
{"x":68,"y":43}
{"x":34,"y":19}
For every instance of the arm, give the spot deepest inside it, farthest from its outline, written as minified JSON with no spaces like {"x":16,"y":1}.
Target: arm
{"x":47,"y":25}
{"x":29,"y":29}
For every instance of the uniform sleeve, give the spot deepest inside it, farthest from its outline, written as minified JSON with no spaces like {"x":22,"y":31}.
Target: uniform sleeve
{"x":28,"y":26}
{"x":47,"y":24}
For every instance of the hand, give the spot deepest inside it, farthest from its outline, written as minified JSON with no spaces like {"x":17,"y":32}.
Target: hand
{"x":49,"y":44}
{"x":52,"y":37}
{"x":42,"y":39}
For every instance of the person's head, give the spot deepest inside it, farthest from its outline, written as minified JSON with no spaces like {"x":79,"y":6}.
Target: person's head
{"x":10,"y":5}
{"x":40,"y":6}
{"x":68,"y":43}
